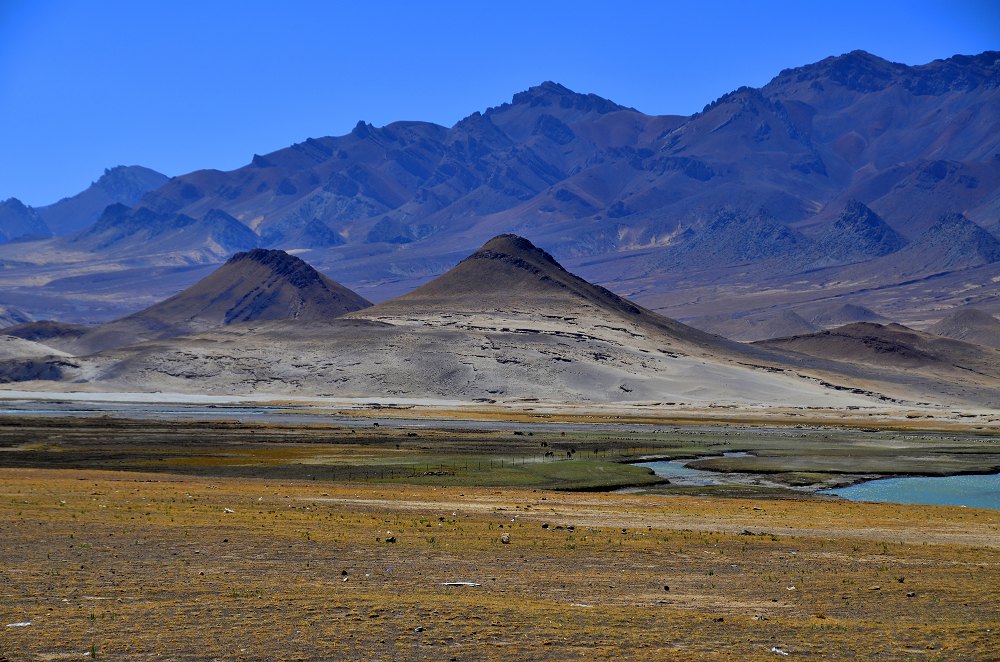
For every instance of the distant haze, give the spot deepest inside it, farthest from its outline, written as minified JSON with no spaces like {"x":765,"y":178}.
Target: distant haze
{"x":185,"y":85}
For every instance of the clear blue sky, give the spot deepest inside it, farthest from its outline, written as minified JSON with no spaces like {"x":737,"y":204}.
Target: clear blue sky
{"x":180,"y":85}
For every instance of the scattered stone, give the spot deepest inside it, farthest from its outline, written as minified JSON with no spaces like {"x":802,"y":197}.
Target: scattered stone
{"x":720,"y":619}
{"x":874,"y":588}
{"x":505,"y":538}
{"x":391,"y":539}
{"x":778,"y":651}
{"x":910,"y":594}
{"x":418,"y":629}
{"x":666,"y":588}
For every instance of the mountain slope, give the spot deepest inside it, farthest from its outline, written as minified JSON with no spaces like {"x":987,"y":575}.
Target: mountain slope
{"x":10,"y":316}
{"x":19,"y":222}
{"x":844,"y":314}
{"x":858,"y":234}
{"x":140,"y":231}
{"x":19,"y":348}
{"x":959,"y":366}
{"x":971,"y":325}
{"x":952,"y":243}
{"x":761,"y":326}
{"x":121,"y":184}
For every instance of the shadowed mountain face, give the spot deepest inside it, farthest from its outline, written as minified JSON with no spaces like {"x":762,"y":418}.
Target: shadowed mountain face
{"x":811,"y":184}
{"x":954,"y":242}
{"x":140,"y":231}
{"x":254,"y":286}
{"x":971,"y":325}
{"x":122,"y":185}
{"x":858,"y":234}
{"x":19,"y":222}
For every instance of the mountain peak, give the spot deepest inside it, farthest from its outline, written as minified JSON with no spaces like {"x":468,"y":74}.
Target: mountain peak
{"x":860,"y":233}
{"x":129,"y":183}
{"x":19,"y":222}
{"x":284,"y":265}
{"x":514,"y":248}
{"x":272,"y":284}
{"x":278,"y":260}
{"x":859,"y":71}
{"x":954,"y":242}
{"x":549,"y":94}
{"x":14,"y":204}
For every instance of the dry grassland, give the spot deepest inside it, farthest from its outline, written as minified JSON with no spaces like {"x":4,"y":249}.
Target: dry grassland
{"x":143,"y":566}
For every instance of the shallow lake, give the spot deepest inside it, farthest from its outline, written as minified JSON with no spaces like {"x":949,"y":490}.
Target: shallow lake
{"x":971,"y":491}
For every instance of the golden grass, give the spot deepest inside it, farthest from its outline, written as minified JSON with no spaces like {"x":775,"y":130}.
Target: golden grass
{"x":144,"y":565}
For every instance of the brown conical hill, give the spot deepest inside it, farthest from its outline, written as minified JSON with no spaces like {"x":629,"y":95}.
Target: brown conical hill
{"x":257,"y":285}
{"x":507,"y":272}
{"x":510,"y":284}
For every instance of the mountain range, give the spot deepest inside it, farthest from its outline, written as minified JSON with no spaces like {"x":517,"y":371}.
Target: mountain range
{"x":853,"y":181}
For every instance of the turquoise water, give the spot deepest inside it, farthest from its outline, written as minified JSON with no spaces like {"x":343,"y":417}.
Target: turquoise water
{"x":678,"y":474}
{"x":971,"y":491}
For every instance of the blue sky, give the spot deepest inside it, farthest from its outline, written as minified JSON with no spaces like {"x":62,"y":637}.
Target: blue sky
{"x":181,"y":85}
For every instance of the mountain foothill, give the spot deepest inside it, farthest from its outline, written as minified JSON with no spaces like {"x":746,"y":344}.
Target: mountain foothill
{"x":506,"y":324}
